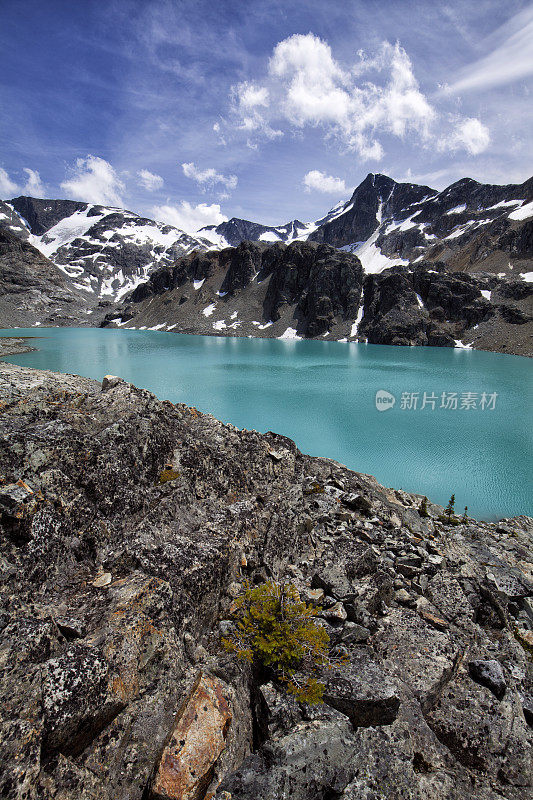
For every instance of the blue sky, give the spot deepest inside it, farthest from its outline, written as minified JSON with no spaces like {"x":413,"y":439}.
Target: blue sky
{"x":193,"y":112}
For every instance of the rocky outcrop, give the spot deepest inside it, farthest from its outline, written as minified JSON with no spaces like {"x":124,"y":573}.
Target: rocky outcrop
{"x":188,"y":762}
{"x":128,"y":525}
{"x":315,"y":290}
{"x":427,"y":305}
{"x":33,"y":290}
{"x":312,"y":287}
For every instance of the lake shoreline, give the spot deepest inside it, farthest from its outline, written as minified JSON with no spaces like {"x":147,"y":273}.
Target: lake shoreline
{"x":324,"y":399}
{"x":502,"y":346}
{"x":14,"y":345}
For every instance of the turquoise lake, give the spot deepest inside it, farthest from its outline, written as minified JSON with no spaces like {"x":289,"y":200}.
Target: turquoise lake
{"x":323,"y":395}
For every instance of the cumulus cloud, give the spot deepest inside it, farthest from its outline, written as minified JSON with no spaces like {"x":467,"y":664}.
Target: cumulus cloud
{"x":95,"y":181}
{"x":7,"y":187}
{"x":305,"y":86}
{"x":321,"y":182}
{"x":150,"y":181}
{"x":189,"y":218}
{"x":208,"y":178}
{"x":510,"y":57}
{"x":470,"y":135}
{"x":34,"y":186}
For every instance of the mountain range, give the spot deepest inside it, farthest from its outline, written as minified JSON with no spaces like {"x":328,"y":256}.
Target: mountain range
{"x":397,"y":263}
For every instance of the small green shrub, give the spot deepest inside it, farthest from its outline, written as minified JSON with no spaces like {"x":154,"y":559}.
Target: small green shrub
{"x":315,"y":488}
{"x":450,"y":508}
{"x":279,"y":634}
{"x":168,"y":474}
{"x":423,"y":508}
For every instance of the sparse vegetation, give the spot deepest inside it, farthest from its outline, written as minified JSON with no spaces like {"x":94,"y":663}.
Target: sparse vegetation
{"x":450,"y":508}
{"x":168,"y":474}
{"x":279,"y":634}
{"x":423,"y":508}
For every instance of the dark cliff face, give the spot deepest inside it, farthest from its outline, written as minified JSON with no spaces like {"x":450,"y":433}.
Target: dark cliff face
{"x":424,"y":306}
{"x":321,"y":283}
{"x":10,"y":221}
{"x":41,"y":215}
{"x":257,"y":289}
{"x":127,"y":527}
{"x":315,"y":284}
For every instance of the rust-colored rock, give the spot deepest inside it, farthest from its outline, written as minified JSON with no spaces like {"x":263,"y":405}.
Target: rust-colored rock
{"x":188,"y":762}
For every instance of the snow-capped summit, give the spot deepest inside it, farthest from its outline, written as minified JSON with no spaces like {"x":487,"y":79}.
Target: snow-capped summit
{"x":105,"y":251}
{"x":108,"y":251}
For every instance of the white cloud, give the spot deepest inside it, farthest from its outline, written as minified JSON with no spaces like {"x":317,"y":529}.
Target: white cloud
{"x":189,"y":218}
{"x":34,"y":186}
{"x":510,"y":59}
{"x":209,"y":177}
{"x":321,"y":182}
{"x":251,"y":95}
{"x":150,"y":181}
{"x":305,"y":86}
{"x":308,"y":87}
{"x":469,"y":134}
{"x":7,"y":187}
{"x":95,"y":181}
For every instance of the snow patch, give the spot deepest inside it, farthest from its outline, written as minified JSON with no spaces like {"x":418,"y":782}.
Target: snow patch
{"x":269,"y":236}
{"x":355,"y":326}
{"x":486,"y":294}
{"x":460,"y":346}
{"x":198,"y":284}
{"x":290,"y":333}
{"x":505,"y":203}
{"x":456,"y":210}
{"x":522,"y":213}
{"x":208,"y":310}
{"x":372,"y":259}
{"x":527,"y":277}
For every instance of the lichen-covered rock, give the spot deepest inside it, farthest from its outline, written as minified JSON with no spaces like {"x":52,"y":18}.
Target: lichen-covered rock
{"x":115,"y":587}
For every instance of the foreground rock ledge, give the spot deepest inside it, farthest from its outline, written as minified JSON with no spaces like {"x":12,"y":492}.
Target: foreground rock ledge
{"x":127,"y":525}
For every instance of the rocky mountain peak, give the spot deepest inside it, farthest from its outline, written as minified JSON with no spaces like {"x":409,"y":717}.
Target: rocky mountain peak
{"x":41,"y":215}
